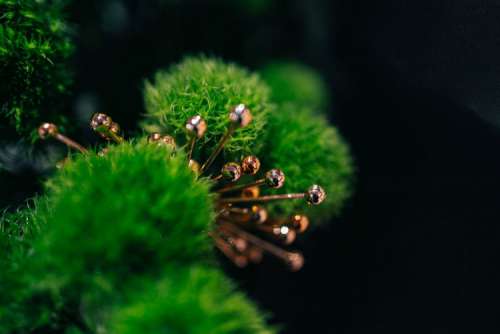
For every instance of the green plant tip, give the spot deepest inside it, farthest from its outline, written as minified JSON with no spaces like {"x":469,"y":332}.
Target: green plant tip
{"x":209,"y":88}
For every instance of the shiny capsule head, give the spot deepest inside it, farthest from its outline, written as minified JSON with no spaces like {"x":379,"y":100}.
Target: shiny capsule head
{"x":295,"y":261}
{"x":315,"y":195}
{"x":47,"y":130}
{"x":231,"y":171}
{"x":258,"y":214}
{"x":114,"y":127}
{"x":250,"y":165}
{"x":285,"y":234}
{"x":240,"y":116}
{"x":255,"y":254}
{"x":251,"y":192}
{"x":300,"y":223}
{"x":196,"y":126}
{"x":239,"y":244}
{"x":157,"y":138}
{"x":104,"y":131}
{"x":275,"y":178}
{"x":154,"y":137}
{"x":168,"y":141}
{"x":194,"y":166}
{"x":101,"y":121}
{"x":240,"y":261}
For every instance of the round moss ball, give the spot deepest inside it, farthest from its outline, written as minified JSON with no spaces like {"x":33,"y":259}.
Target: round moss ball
{"x":210,"y":88}
{"x":296,"y":83}
{"x":194,"y":300}
{"x":309,"y":151}
{"x":127,"y":213}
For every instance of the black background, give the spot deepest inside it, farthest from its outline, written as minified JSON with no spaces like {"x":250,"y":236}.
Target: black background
{"x":415,"y":89}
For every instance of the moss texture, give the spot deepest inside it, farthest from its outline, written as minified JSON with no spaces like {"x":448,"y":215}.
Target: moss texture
{"x":195,"y":300}
{"x":292,"y":82}
{"x":18,"y":230}
{"x":128,"y":201}
{"x":113,"y":222}
{"x":309,"y":151}
{"x":119,"y":243}
{"x":210,"y":88}
{"x":34,"y":50}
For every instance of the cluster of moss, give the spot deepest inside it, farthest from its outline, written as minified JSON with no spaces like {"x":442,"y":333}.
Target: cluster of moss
{"x":310,"y":151}
{"x":119,"y":243}
{"x":210,"y":88}
{"x":35,"y":47}
{"x":195,"y":299}
{"x":288,"y":132}
{"x":116,"y":226}
{"x":301,"y":141}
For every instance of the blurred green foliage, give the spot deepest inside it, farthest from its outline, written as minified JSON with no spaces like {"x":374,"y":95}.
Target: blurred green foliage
{"x":196,"y":300}
{"x":293,"y":82}
{"x":112,"y":222}
{"x":35,"y":47}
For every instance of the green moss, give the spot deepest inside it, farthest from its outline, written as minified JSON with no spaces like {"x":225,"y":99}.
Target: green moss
{"x":120,"y":244}
{"x":18,"y":230}
{"x":210,"y":88}
{"x":296,"y":83}
{"x":34,"y":51}
{"x":113,"y":222}
{"x":194,"y":300}
{"x":309,"y":151}
{"x":131,"y":211}
{"x":302,"y":143}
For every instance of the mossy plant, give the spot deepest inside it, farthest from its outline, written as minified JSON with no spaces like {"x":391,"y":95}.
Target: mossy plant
{"x":35,"y":46}
{"x":302,"y":142}
{"x":293,"y":82}
{"x":210,"y":88}
{"x":113,"y":220}
{"x":310,"y":151}
{"x":196,"y":299}
{"x":134,"y":195}
{"x":18,"y":230}
{"x":120,"y":242}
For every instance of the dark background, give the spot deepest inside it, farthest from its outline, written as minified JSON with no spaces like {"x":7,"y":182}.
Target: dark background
{"x":415,"y":92}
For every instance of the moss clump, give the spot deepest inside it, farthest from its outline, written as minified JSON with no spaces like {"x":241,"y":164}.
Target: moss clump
{"x":18,"y":230}
{"x":296,"y":83}
{"x":113,"y":222}
{"x":309,"y":151}
{"x":34,"y":50}
{"x":138,"y":207}
{"x":123,"y":244}
{"x":195,"y":300}
{"x":210,"y":88}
